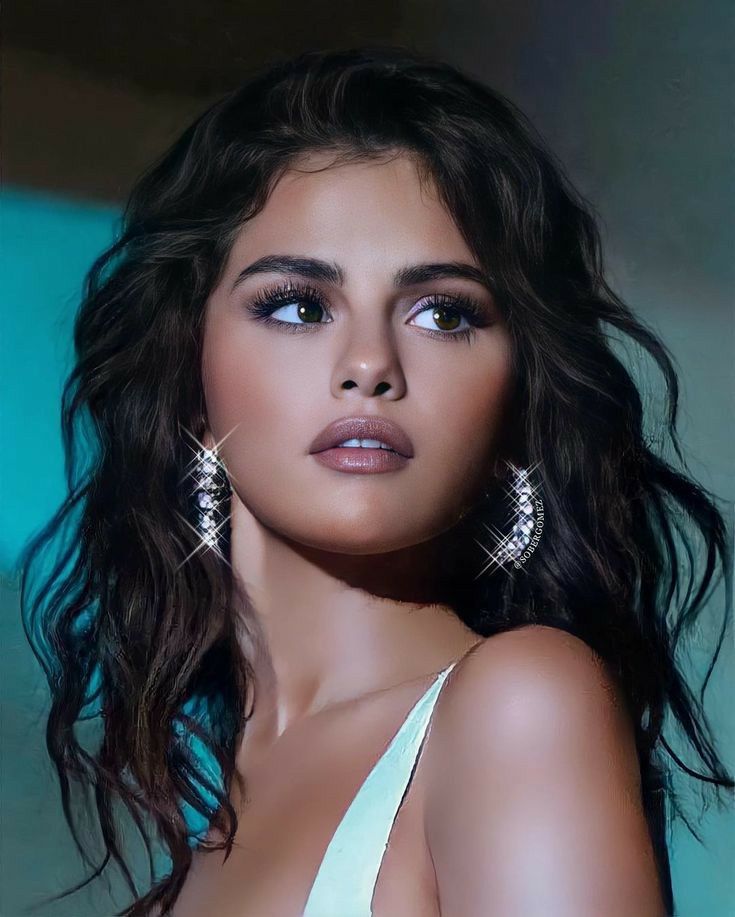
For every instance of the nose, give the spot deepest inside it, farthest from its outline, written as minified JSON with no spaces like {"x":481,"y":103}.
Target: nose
{"x":370,"y":365}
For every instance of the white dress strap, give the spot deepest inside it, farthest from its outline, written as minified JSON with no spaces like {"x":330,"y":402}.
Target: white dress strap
{"x":347,"y":875}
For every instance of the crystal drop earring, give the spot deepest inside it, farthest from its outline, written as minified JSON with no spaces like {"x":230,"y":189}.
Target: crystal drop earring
{"x":528,"y":521}
{"x":210,"y":499}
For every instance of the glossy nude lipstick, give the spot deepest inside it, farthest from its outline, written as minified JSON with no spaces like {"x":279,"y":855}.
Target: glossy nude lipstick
{"x":362,"y":445}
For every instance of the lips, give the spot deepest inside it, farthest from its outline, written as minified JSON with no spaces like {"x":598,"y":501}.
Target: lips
{"x":367,"y":427}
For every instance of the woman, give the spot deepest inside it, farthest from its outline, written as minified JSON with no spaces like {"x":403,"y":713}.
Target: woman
{"x":372,"y":588}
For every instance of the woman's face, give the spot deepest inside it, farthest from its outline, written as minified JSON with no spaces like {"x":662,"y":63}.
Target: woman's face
{"x":360,"y":347}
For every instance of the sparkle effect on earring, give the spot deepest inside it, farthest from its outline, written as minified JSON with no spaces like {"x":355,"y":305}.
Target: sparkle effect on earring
{"x":523,"y":495}
{"x":208,"y":492}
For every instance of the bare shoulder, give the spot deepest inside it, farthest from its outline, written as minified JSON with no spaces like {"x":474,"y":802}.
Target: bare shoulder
{"x":533,"y":801}
{"x":531,"y":646}
{"x":532,"y":676}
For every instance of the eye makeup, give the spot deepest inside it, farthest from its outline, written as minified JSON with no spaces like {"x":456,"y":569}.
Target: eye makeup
{"x":269,"y":299}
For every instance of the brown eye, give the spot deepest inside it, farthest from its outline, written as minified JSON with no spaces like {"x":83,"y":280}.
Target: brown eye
{"x":298,"y":306}
{"x":309,"y":311}
{"x":442,"y":319}
{"x":443,"y":316}
{"x":451,"y":317}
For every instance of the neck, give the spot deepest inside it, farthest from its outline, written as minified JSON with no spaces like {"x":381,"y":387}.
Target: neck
{"x":322,"y":628}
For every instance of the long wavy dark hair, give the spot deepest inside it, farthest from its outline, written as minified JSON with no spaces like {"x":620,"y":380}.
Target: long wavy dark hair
{"x":149,"y":647}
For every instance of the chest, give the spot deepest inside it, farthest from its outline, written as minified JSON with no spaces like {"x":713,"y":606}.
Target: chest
{"x":295,"y":797}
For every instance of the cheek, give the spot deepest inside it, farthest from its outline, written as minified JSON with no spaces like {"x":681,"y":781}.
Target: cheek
{"x":272,"y":400}
{"x":246,"y":386}
{"x":468,"y":407}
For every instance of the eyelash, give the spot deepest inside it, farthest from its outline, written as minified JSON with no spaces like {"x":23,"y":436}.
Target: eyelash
{"x":269,"y":300}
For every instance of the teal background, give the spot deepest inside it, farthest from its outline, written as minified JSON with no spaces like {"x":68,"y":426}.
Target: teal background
{"x":641,"y":114}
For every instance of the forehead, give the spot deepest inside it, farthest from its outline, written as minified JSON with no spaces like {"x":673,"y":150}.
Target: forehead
{"x":352,"y":212}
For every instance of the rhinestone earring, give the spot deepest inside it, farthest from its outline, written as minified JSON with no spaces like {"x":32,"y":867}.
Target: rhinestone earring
{"x":527,"y":524}
{"x":210,"y":499}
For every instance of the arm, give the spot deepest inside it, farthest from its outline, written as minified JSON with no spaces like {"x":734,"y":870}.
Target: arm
{"x":533,"y":806}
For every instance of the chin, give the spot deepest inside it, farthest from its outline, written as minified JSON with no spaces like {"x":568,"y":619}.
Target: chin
{"x":336,"y":540}
{"x":363,"y":535}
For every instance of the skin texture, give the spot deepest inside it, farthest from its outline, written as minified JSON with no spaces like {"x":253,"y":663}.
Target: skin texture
{"x":338,"y":566}
{"x":547,"y":819}
{"x":544,"y":814}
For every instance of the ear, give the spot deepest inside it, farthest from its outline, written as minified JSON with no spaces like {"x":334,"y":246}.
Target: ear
{"x":208,"y":440}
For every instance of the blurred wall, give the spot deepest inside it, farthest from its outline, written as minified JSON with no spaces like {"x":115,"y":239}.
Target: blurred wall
{"x":636,"y":99}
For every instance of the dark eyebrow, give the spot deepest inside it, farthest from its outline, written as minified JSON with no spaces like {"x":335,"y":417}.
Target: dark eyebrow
{"x":329,"y":272}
